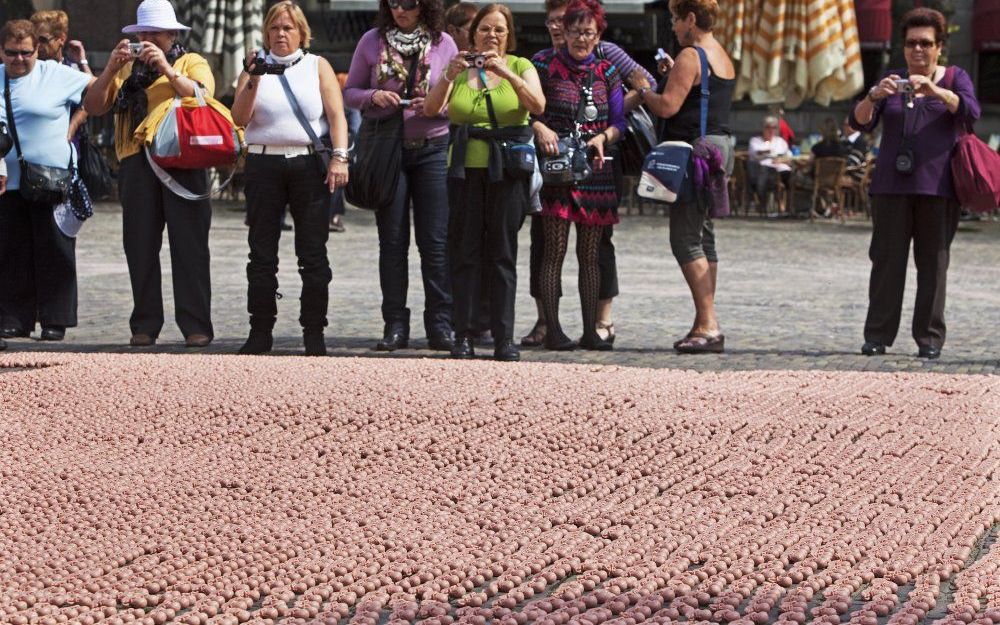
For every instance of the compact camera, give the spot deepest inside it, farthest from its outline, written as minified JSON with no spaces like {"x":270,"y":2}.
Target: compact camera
{"x":260,"y":66}
{"x":904,"y":86}
{"x":570,"y":166}
{"x":476,"y":60}
{"x":135,"y":49}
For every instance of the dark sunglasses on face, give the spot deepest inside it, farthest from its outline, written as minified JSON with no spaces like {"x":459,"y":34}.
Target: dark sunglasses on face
{"x":406,"y":5}
{"x":922,"y":43}
{"x":16,"y":53}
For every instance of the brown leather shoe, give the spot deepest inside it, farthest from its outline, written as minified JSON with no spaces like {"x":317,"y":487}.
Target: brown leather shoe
{"x":141,"y":340}
{"x":197,"y":340}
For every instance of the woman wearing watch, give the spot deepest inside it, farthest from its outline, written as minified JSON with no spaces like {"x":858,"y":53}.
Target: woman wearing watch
{"x":913,"y":196}
{"x":282,"y":169}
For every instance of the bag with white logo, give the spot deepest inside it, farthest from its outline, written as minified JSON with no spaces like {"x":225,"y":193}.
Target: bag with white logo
{"x":195,"y":133}
{"x":664,"y":171}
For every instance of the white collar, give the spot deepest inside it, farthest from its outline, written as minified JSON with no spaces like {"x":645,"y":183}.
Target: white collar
{"x":288,"y":59}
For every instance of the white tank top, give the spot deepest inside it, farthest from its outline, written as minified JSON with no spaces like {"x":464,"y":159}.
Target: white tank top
{"x":274,"y":121}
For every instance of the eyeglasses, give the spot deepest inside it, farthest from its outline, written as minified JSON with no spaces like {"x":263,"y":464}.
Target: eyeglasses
{"x":499,"y":31}
{"x":920,"y":43}
{"x":555,"y":22}
{"x":18,"y":53}
{"x":42,"y":39}
{"x":585,"y":35}
{"x":406,"y":5}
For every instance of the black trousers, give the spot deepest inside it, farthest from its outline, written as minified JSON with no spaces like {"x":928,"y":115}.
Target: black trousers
{"x":931,"y":223}
{"x":148,"y":206}
{"x":37,"y":266}
{"x":485,"y":219}
{"x":606,"y":262}
{"x":422,"y":186}
{"x":272,"y":183}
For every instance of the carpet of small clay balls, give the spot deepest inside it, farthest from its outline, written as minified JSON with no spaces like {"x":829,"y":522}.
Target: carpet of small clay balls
{"x":223,"y":489}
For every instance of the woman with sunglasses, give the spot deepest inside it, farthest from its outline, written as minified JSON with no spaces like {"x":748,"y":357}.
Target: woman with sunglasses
{"x":488,"y":200}
{"x":409,"y":37}
{"x":37,"y":261}
{"x":583,"y":93}
{"x":913,"y":195}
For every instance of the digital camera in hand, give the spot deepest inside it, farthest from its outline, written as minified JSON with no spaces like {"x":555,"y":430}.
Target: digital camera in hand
{"x":258,"y":66}
{"x":135,"y":49}
{"x":476,"y":60}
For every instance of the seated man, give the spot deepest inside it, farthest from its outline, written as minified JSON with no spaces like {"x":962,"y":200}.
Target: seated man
{"x":859,"y":149}
{"x":769,"y":158}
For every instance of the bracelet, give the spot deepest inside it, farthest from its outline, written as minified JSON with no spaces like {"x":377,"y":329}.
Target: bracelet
{"x":341,"y":153}
{"x":643,"y":91}
{"x":82,"y":62}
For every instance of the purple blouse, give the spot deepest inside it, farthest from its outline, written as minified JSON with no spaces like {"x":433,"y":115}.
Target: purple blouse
{"x":362,"y":82}
{"x":934,"y":133}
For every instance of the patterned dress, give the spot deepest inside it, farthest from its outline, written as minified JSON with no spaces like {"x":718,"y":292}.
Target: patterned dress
{"x":593,"y":202}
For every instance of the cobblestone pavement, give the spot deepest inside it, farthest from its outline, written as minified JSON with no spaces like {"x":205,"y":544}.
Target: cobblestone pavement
{"x":792,"y":295}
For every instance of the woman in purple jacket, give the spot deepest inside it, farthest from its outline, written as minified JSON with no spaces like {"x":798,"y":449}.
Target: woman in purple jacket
{"x":409,"y":37}
{"x":913,"y":196}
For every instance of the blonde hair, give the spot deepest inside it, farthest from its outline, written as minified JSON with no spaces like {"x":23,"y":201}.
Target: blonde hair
{"x":56,"y":21}
{"x":287,"y":7}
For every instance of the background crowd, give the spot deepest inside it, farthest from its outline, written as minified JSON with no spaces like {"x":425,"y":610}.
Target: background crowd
{"x":465,"y":139}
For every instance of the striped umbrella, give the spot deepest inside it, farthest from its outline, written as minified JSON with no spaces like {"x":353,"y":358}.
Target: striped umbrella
{"x":225,"y":27}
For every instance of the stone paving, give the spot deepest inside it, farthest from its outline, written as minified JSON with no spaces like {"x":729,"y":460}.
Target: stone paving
{"x":792,"y":295}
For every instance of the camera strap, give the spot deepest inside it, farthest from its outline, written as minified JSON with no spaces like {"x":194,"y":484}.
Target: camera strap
{"x":586,"y":95}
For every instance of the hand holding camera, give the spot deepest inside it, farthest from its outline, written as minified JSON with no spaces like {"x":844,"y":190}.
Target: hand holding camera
{"x":256,"y":64}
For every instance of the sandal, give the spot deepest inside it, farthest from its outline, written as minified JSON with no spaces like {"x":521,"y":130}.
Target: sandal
{"x":609,"y":328}
{"x":536,"y":337}
{"x":697,"y":343}
{"x":681,"y":340}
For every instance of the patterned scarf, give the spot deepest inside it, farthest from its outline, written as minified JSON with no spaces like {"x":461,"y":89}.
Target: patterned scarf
{"x":131,"y":104}
{"x":400,"y":45}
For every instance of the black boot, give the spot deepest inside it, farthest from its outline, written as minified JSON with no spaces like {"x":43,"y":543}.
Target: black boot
{"x":315,"y":342}
{"x":260,"y":340}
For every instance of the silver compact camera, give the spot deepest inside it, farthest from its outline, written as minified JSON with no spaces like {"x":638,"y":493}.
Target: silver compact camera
{"x":904,"y":86}
{"x":476,"y":60}
{"x":135,"y":49}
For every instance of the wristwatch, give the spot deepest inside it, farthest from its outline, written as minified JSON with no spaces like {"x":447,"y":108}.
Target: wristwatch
{"x":341,"y":154}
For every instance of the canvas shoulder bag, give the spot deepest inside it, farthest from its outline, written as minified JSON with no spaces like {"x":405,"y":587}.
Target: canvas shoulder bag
{"x":43,"y":184}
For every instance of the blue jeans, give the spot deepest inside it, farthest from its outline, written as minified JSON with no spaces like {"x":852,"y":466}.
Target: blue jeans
{"x":422,"y":183}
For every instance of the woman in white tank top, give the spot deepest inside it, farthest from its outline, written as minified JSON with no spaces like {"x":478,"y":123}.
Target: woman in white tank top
{"x":285,"y":166}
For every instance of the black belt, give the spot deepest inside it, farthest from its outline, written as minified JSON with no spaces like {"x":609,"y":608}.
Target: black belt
{"x":416,"y":144}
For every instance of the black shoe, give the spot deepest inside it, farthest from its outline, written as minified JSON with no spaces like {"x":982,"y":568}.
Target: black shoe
{"x":441,"y":342}
{"x":506,"y":352}
{"x":52,"y":333}
{"x":929,"y":352}
{"x":396,"y":336}
{"x":3,"y":345}
{"x":559,"y":342}
{"x":315,"y":342}
{"x":483,"y":337}
{"x":10,"y":332}
{"x":873,"y":348}
{"x":463,"y":348}
{"x":259,"y":342}
{"x":594,"y":342}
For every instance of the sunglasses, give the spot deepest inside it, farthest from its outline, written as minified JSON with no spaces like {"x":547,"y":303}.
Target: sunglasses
{"x":18,"y":53}
{"x":42,"y":39}
{"x":920,"y":43}
{"x":406,"y":5}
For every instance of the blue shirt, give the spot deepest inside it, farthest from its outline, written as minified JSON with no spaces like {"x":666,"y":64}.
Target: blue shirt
{"x":41,"y":101}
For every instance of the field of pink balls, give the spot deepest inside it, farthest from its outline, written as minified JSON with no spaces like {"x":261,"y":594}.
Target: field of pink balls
{"x":223,"y":489}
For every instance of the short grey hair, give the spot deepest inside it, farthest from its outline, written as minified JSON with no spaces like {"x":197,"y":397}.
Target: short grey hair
{"x":771,"y":120}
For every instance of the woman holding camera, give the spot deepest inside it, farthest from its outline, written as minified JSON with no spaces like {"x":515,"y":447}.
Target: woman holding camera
{"x":37,"y":261}
{"x":407,"y":53}
{"x":283,"y":169}
{"x":583,"y":93}
{"x":913,"y":196}
{"x":137,"y":79}
{"x":490,"y":94}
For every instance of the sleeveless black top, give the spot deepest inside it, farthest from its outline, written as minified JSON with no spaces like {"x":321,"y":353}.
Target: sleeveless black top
{"x":686,"y":124}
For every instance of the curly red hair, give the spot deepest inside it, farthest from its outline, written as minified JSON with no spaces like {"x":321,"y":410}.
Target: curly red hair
{"x":583,"y":10}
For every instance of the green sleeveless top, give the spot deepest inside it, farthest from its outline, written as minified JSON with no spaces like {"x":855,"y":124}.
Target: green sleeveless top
{"x":468,"y":106}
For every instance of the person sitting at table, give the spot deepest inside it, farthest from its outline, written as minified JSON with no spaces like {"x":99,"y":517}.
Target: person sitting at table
{"x":831,"y":143}
{"x":858,"y":149}
{"x":769,"y":160}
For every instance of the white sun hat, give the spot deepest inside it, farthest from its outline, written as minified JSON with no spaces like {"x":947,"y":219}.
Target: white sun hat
{"x":155,"y":15}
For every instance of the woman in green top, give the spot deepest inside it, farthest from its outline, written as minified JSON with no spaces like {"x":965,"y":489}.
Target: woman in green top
{"x":487,"y":203}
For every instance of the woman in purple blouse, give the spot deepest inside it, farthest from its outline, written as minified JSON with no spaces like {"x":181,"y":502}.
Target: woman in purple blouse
{"x":921,"y":109}
{"x":409,"y":35}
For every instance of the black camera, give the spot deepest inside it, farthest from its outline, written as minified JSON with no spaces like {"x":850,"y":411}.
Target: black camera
{"x":570,"y":166}
{"x":476,"y":60}
{"x":258,"y":66}
{"x":904,"y":160}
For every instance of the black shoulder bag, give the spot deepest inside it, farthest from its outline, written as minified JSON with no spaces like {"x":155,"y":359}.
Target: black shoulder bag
{"x":518,"y":157}
{"x":571,"y":164}
{"x":378,"y":156}
{"x":39,"y":183}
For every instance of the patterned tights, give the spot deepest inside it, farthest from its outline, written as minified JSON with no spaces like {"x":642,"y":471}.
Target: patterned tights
{"x":588,"y":239}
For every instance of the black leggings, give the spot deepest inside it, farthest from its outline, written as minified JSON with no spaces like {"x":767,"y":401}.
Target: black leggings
{"x":588,"y":240}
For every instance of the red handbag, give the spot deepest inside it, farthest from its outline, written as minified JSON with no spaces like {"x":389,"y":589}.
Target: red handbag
{"x":975,"y":168}
{"x":195,"y":137}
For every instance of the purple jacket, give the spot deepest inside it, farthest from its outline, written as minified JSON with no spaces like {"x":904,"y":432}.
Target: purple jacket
{"x":362,"y":82}
{"x":934,"y":131}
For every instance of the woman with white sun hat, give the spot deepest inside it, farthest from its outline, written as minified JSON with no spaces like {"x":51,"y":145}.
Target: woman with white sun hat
{"x":135,"y":82}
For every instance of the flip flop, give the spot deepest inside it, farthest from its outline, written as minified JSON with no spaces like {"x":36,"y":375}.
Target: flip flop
{"x":697,"y":343}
